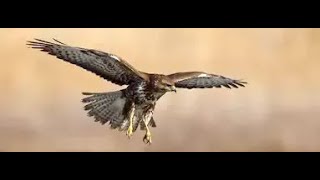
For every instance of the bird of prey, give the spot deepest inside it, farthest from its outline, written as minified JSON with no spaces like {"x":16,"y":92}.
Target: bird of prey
{"x":131,"y":107}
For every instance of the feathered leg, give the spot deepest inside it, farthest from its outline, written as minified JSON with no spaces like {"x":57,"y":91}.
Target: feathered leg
{"x":147,"y":137}
{"x":131,"y":115}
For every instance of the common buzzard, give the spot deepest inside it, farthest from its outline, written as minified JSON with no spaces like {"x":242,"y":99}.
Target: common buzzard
{"x":128,"y":108}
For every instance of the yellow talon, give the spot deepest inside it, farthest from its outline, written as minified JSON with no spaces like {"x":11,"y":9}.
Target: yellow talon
{"x":130,"y":128}
{"x":147,"y":136}
{"x":129,"y":131}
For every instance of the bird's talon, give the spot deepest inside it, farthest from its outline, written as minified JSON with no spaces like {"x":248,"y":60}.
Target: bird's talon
{"x":129,"y":132}
{"x":147,"y":139}
{"x":130,"y":128}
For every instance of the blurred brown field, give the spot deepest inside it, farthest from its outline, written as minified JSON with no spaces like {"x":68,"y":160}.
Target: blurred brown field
{"x":41,"y":107}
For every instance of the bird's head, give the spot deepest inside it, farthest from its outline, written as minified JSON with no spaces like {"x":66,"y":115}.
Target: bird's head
{"x":166,"y":84}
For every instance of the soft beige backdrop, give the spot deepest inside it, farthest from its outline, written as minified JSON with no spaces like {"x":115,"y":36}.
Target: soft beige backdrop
{"x":41,"y":107}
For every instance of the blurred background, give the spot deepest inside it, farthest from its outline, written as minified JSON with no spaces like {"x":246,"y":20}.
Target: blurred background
{"x":41,"y":107}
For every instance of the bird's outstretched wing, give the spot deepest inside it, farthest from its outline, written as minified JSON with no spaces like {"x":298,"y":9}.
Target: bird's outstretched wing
{"x":105,"y":65}
{"x":192,"y":80}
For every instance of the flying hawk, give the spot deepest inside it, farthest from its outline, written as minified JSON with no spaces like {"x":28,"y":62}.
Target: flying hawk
{"x":128,"y":108}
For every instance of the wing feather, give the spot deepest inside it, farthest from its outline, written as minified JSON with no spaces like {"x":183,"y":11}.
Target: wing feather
{"x":105,"y":65}
{"x":192,"y":80}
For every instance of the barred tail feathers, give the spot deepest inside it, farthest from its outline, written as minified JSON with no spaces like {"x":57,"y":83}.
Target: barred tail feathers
{"x":106,"y":107}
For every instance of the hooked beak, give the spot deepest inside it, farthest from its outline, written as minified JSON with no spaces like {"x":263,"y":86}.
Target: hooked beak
{"x":170,"y":89}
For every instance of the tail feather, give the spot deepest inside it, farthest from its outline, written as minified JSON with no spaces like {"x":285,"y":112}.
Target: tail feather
{"x":106,"y":107}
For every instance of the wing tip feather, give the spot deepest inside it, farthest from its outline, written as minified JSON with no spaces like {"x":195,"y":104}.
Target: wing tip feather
{"x":241,"y":83}
{"x":39,"y":43}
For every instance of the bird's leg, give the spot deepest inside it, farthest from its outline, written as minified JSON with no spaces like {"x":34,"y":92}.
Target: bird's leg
{"x":131,"y":115}
{"x":147,"y":136}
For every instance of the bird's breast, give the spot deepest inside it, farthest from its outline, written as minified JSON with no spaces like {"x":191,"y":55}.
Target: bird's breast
{"x":141,"y":93}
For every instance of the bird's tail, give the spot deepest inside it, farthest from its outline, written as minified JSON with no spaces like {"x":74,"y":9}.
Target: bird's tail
{"x":113,"y":107}
{"x":106,"y":107}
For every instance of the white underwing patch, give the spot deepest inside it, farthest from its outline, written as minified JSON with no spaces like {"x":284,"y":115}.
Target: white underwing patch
{"x":115,"y":57}
{"x":204,"y":75}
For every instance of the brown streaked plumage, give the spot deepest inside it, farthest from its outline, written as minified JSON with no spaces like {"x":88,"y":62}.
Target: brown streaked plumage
{"x":128,"y":108}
